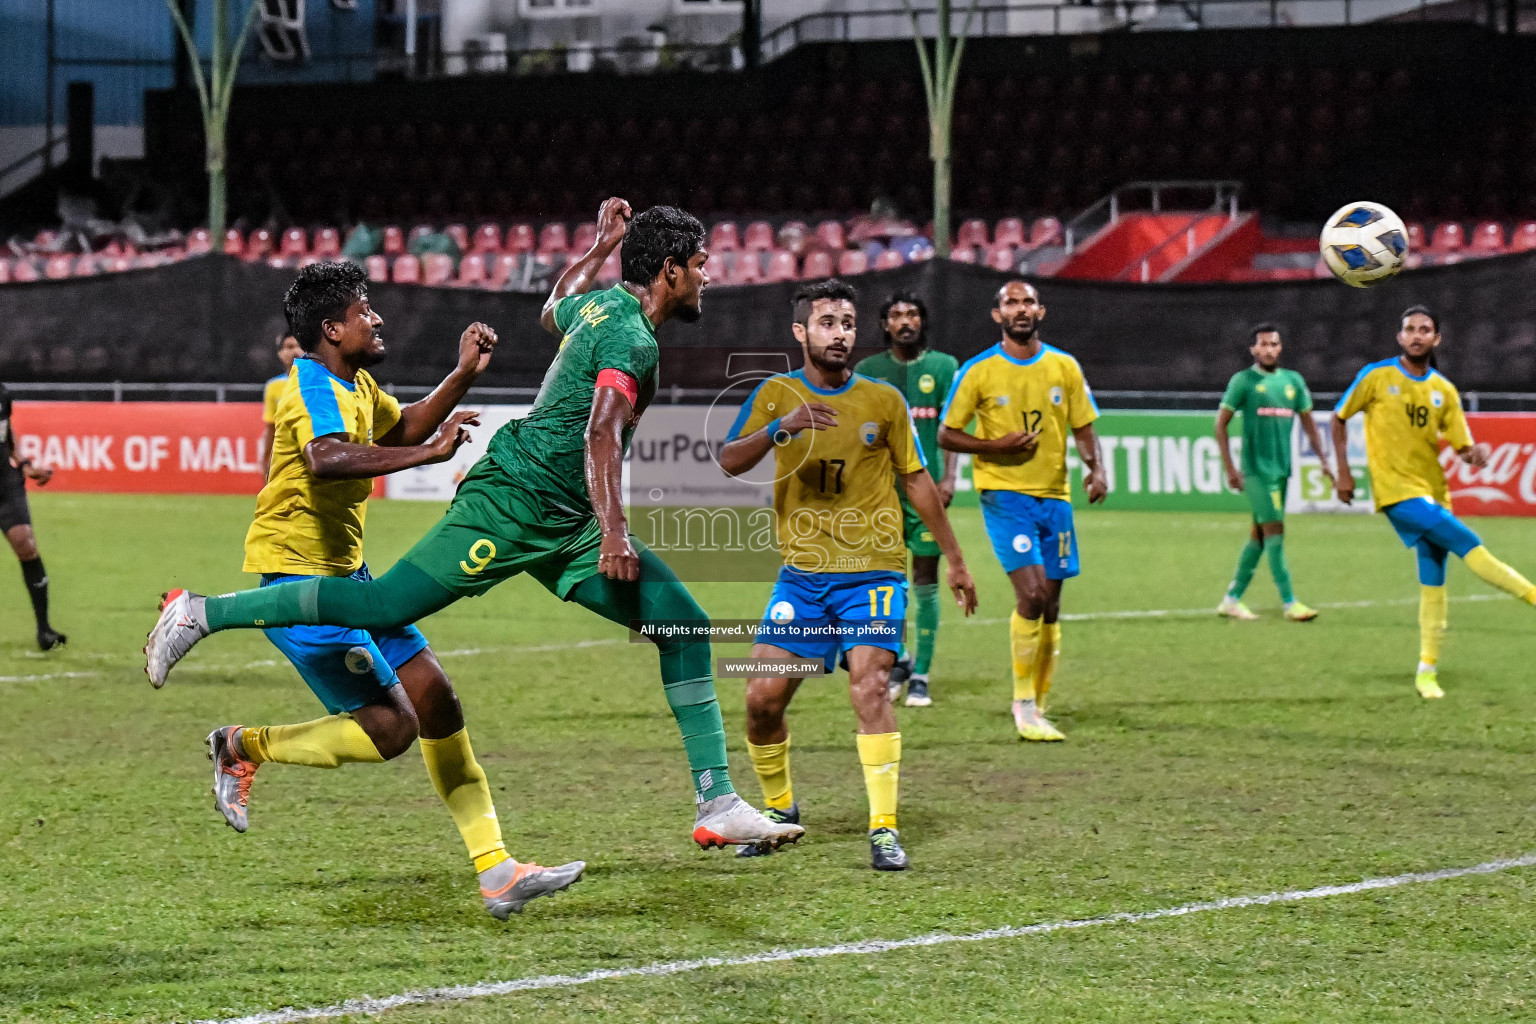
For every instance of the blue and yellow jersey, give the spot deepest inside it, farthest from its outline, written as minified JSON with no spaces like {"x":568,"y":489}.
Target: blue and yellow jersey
{"x":1406,"y":417}
{"x":270,"y":395}
{"x":834,"y":490}
{"x":1046,"y":393}
{"x":304,"y":525}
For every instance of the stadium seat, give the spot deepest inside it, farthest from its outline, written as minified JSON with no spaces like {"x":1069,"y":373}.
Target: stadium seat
{"x":612,"y":269}
{"x":1000,"y":257}
{"x":817,"y":265}
{"x":832,"y":235}
{"x":852,"y":261}
{"x":889,"y":259}
{"x":972,"y":232}
{"x":5,"y":271}
{"x":407,"y":270}
{"x":307,"y":260}
{"x":552,"y":239}
{"x":1044,"y":231}
{"x":1487,"y":239}
{"x":520,"y":239}
{"x":460,"y":235}
{"x":782,"y":266}
{"x":378,"y":268}
{"x":199,"y":241}
{"x":1447,"y":237}
{"x":436,"y":269}
{"x":294,"y":243}
{"x":1523,"y":238}
{"x":471,"y":271}
{"x":502,"y":269}
{"x":759,"y":237}
{"x":24,"y":271}
{"x":58,"y":267}
{"x":1416,"y":237}
{"x":724,"y":237}
{"x":963,"y":254}
{"x":746,"y":269}
{"x":327,"y":243}
{"x":487,"y":239}
{"x":85,"y":266}
{"x":258,"y":244}
{"x":584,"y":237}
{"x":394,"y":241}
{"x":1009,"y":231}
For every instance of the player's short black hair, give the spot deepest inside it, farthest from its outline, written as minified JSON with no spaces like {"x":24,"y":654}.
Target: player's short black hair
{"x":322,"y":292}
{"x":1411,"y":310}
{"x":1264,"y":328}
{"x":807,"y":295}
{"x":654,"y":235}
{"x":911,"y":298}
{"x":997,"y":296}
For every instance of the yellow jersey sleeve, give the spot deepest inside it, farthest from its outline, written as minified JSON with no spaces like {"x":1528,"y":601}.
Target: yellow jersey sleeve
{"x":906,"y":450}
{"x":270,"y":396}
{"x":771,"y":400}
{"x":1081,"y":408}
{"x":386,"y":412}
{"x":960,"y":406}
{"x":1453,"y":423}
{"x":1361,"y":393}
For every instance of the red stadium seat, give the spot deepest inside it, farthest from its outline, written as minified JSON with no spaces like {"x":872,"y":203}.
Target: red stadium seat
{"x":611,"y":270}
{"x":552,"y":239}
{"x":818,"y":264}
{"x":307,"y":260}
{"x":782,"y":266}
{"x":747,"y":269}
{"x":889,"y":259}
{"x":852,"y":261}
{"x":419,"y":231}
{"x":295,"y":243}
{"x":487,"y":239}
{"x":58,"y":267}
{"x":327,"y":243}
{"x":471,"y":271}
{"x":832,"y":234}
{"x":85,"y":266}
{"x":972,"y":232}
{"x":502,"y":270}
{"x":1009,"y":231}
{"x":24,"y":270}
{"x":520,"y":239}
{"x":1447,"y":237}
{"x":585,"y":236}
{"x":1417,"y":240}
{"x":759,"y":237}
{"x":1488,"y":238}
{"x":394,"y":241}
{"x":436,"y":269}
{"x":1044,"y":231}
{"x":1523,"y":238}
{"x":460,"y":235}
{"x":199,"y":241}
{"x":378,"y":268}
{"x":724,"y":237}
{"x":407,"y":270}
{"x":1000,"y":257}
{"x":963,"y":254}
{"x":5,"y":271}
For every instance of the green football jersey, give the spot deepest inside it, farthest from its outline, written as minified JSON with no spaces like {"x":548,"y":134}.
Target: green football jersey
{"x":924,"y":383}
{"x":1268,"y":402}
{"x":545,"y":451}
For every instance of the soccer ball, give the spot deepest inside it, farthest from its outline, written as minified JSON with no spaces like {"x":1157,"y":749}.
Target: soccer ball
{"x":1364,"y":244}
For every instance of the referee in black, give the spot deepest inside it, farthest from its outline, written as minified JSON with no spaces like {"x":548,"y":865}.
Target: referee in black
{"x":16,"y":521}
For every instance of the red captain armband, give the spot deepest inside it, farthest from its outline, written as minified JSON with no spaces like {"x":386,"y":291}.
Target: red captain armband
{"x":622,"y":382}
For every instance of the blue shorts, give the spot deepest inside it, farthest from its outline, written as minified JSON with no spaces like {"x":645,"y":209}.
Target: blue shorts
{"x":1431,"y":530}
{"x":347,"y":668}
{"x":1026,"y":530}
{"x":820,"y":615}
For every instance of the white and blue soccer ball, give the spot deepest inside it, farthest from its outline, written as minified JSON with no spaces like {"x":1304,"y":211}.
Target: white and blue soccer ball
{"x":1364,"y":244}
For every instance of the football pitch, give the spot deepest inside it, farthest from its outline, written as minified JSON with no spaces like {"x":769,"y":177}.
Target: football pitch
{"x":1205,"y":759}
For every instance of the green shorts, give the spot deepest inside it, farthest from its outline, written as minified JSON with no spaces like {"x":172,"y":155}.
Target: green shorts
{"x":1266,"y":498}
{"x":919,"y":538}
{"x":490,"y":534}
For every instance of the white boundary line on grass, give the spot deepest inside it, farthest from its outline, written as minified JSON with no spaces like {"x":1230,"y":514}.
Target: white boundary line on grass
{"x":458,"y":993}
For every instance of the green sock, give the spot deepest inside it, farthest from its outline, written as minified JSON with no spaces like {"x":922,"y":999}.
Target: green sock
{"x":1247,"y":562}
{"x":687,"y":677}
{"x":927,"y":599}
{"x":1274,"y":549}
{"x":398,"y":598}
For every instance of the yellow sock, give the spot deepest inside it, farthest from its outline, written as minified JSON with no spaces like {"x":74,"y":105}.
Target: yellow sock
{"x":324,"y":743}
{"x":880,"y":753}
{"x":771,"y":762}
{"x":1024,"y":638}
{"x":460,"y":781}
{"x":1432,"y":616}
{"x":1495,"y":573}
{"x":1045,"y":661}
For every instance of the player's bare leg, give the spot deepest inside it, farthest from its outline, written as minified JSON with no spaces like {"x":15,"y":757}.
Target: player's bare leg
{"x":1037,"y":606}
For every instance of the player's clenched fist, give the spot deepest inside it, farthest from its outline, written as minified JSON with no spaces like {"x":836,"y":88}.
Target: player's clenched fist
{"x":616,"y":558}
{"x":612,"y":220}
{"x":475,"y":347}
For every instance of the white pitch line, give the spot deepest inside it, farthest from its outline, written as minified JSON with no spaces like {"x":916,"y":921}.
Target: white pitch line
{"x":1190,"y":613}
{"x":47,"y":675}
{"x":458,"y":993}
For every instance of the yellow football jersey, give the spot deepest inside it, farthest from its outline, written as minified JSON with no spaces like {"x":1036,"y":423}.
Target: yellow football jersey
{"x":1405,"y":419}
{"x":270,"y":395}
{"x":304,"y":525}
{"x":834,"y":490}
{"x":1005,"y":394}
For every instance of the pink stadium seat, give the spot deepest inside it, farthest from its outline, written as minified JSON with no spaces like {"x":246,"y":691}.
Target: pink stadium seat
{"x":1417,"y":240}
{"x":1488,"y":238}
{"x":199,"y":241}
{"x":295,"y":243}
{"x":58,"y":267}
{"x":520,"y":239}
{"x":782,"y":266}
{"x":584,"y":237}
{"x":418,"y":231}
{"x":611,"y":270}
{"x":747,"y":269}
{"x":1447,"y":237}
{"x":460,"y":235}
{"x":818,"y":264}
{"x":1009,"y":231}
{"x":889,"y":259}
{"x":852,"y":261}
{"x":963,"y":254}
{"x":258,"y":244}
{"x":759,"y":237}
{"x":307,"y":260}
{"x":487,"y":239}
{"x":378,"y":268}
{"x":436,"y":269}
{"x":1000,"y":257}
{"x":85,"y":266}
{"x":394,"y":241}
{"x":832,"y":234}
{"x":471,"y":271}
{"x":407,"y":270}
{"x":1044,"y":231}
{"x":1523,"y":238}
{"x":5,"y":271}
{"x":552,"y":239}
{"x":117,"y":264}
{"x":724,"y":237}
{"x":24,"y":270}
{"x":327,"y":243}
{"x":972,"y":232}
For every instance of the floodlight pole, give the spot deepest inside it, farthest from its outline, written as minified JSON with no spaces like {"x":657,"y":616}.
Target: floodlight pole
{"x":213,"y":95}
{"x":940,"y":74}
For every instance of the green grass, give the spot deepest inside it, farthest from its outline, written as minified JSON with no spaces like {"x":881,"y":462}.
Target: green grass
{"x":1204,"y":759}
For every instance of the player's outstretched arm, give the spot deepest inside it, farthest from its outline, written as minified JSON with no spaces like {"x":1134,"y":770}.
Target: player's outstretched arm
{"x":331,"y":458}
{"x":604,"y":466}
{"x":924,"y":495}
{"x":419,"y":419}
{"x":742,"y":454}
{"x":1224,"y":442}
{"x":579,"y":275}
{"x":1096,"y":483}
{"x":1344,"y":480}
{"x":1315,"y":439}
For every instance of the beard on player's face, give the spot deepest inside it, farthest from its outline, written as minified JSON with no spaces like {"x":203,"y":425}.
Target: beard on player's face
{"x":1022,"y":327}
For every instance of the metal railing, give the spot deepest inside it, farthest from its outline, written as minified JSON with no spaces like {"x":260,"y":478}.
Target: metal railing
{"x":1107,"y":210}
{"x":24,"y":168}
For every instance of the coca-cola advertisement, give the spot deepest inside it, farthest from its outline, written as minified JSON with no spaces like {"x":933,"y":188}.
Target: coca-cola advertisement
{"x":1507,"y":485}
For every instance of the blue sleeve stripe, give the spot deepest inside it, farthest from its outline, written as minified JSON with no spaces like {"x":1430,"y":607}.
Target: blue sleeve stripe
{"x":745,"y":413}
{"x":319,"y":399}
{"x":954,"y":386}
{"x":916,"y":444}
{"x":1365,"y":371}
